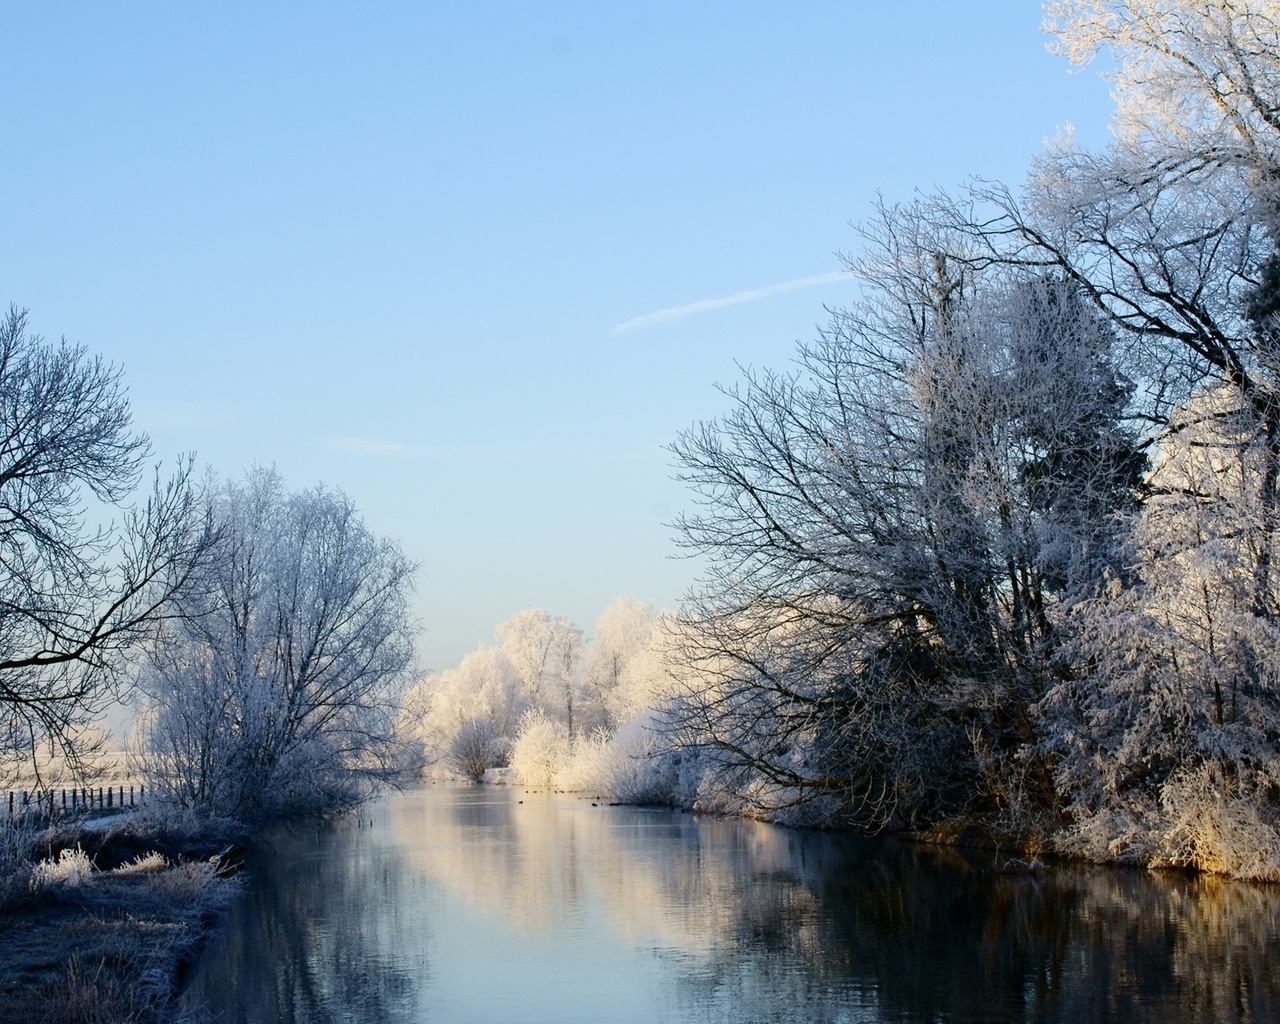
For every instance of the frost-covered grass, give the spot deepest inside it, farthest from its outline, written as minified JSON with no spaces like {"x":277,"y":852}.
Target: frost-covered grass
{"x":96,"y":923}
{"x":68,"y":869}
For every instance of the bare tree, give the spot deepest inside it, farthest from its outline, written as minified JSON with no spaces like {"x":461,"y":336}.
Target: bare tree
{"x":475,"y":748}
{"x":891,"y":531}
{"x":75,"y":598}
{"x":276,"y":691}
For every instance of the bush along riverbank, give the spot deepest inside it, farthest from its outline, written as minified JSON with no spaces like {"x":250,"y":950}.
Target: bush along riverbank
{"x":100,"y":920}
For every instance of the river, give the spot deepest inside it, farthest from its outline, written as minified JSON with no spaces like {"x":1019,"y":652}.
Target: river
{"x":458,"y":904}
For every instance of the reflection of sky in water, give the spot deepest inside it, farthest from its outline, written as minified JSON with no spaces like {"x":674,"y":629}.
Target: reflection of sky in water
{"x":464,"y":904}
{"x":571,"y":909}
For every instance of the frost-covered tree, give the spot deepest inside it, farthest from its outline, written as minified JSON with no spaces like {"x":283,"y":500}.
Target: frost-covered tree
{"x":1170,"y":234}
{"x":485,"y":694}
{"x":1169,"y":737}
{"x":567,"y":652}
{"x":1171,"y":231}
{"x":588,"y":723}
{"x":892,"y":531}
{"x":75,"y":598}
{"x":276,"y":690}
{"x":1197,"y":77}
{"x":623,"y":676}
{"x":547,"y":652}
{"x":527,"y":638}
{"x":534,"y":672}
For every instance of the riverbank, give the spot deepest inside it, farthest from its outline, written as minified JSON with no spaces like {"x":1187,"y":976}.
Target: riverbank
{"x":100,"y":919}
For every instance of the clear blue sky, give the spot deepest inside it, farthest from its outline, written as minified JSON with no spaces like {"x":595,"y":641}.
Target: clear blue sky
{"x":389,"y":246}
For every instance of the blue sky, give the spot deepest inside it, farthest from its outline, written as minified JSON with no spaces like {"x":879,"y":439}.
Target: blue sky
{"x":476,"y":264}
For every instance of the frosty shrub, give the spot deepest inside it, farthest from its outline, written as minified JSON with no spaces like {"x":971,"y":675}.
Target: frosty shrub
{"x":540,"y":751}
{"x":636,"y":768}
{"x":1219,"y":827}
{"x":1121,"y":832}
{"x":586,"y":767}
{"x":475,"y":748}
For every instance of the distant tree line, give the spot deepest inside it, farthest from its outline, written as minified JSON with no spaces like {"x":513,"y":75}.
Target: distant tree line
{"x":553,"y":708}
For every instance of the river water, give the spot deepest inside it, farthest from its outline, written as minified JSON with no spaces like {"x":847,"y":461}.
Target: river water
{"x":456,"y":903}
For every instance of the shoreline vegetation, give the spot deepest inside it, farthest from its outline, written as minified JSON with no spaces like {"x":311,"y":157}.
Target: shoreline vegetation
{"x":101,"y":918}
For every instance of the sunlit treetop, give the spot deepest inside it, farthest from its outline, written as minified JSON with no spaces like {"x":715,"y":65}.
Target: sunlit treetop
{"x":1202,"y":77}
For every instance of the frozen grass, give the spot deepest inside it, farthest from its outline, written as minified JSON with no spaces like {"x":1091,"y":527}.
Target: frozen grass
{"x":17,"y":839}
{"x":143,"y":864}
{"x":96,"y":925}
{"x":69,"y":869}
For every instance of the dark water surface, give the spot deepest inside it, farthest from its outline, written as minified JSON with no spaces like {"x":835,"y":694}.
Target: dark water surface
{"x":461,"y":904}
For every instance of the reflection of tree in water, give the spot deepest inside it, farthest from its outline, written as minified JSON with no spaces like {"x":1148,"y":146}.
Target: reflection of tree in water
{"x":760,"y":923}
{"x":744,"y":922}
{"x":916,"y":934}
{"x":323,"y":935}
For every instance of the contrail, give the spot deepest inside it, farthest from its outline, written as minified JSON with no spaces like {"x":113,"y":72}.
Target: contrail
{"x":679,"y":312}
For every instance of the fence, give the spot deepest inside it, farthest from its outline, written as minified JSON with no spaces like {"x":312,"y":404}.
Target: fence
{"x":55,"y":803}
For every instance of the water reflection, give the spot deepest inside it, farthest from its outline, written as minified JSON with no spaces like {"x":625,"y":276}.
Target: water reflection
{"x":325,"y":933}
{"x":465,"y":903}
